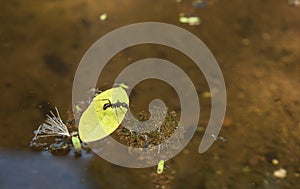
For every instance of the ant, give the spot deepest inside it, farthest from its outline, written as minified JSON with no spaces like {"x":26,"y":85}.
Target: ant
{"x":118,"y":104}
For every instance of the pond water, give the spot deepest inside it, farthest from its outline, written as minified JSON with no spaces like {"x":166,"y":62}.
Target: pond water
{"x":256,"y":44}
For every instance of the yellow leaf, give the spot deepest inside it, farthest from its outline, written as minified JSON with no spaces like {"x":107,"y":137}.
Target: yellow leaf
{"x":160,"y":167}
{"x":98,"y":122}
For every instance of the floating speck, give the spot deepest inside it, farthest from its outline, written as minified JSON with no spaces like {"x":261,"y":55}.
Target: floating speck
{"x":199,"y":3}
{"x":275,"y":161}
{"x":191,"y":20}
{"x":246,"y":41}
{"x":266,"y":36}
{"x":280,"y":173}
{"x":103,"y":17}
{"x":206,"y":94}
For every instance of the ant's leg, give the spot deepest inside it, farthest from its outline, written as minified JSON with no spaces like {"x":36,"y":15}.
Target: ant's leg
{"x":117,"y":115}
{"x":122,"y":105}
{"x":105,"y":106}
{"x":109,"y":102}
{"x":106,"y":99}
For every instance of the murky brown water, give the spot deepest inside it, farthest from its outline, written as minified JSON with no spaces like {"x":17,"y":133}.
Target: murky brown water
{"x":255,"y":42}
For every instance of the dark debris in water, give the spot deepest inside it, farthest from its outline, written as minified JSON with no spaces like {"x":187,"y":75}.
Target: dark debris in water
{"x":55,"y":145}
{"x":155,"y":138}
{"x":62,"y":145}
{"x":54,"y":136}
{"x":45,"y":108}
{"x":56,"y":64}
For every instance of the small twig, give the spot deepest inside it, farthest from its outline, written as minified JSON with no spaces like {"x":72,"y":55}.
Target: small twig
{"x":53,"y":126}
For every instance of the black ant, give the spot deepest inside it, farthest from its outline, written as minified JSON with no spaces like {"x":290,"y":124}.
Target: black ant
{"x":118,"y":104}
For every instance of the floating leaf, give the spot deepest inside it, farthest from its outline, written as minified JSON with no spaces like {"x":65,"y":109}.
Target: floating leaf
{"x":76,"y":143}
{"x":104,"y":114}
{"x":160,"y":166}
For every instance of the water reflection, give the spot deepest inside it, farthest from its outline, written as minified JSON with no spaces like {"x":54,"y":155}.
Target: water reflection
{"x":42,"y":170}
